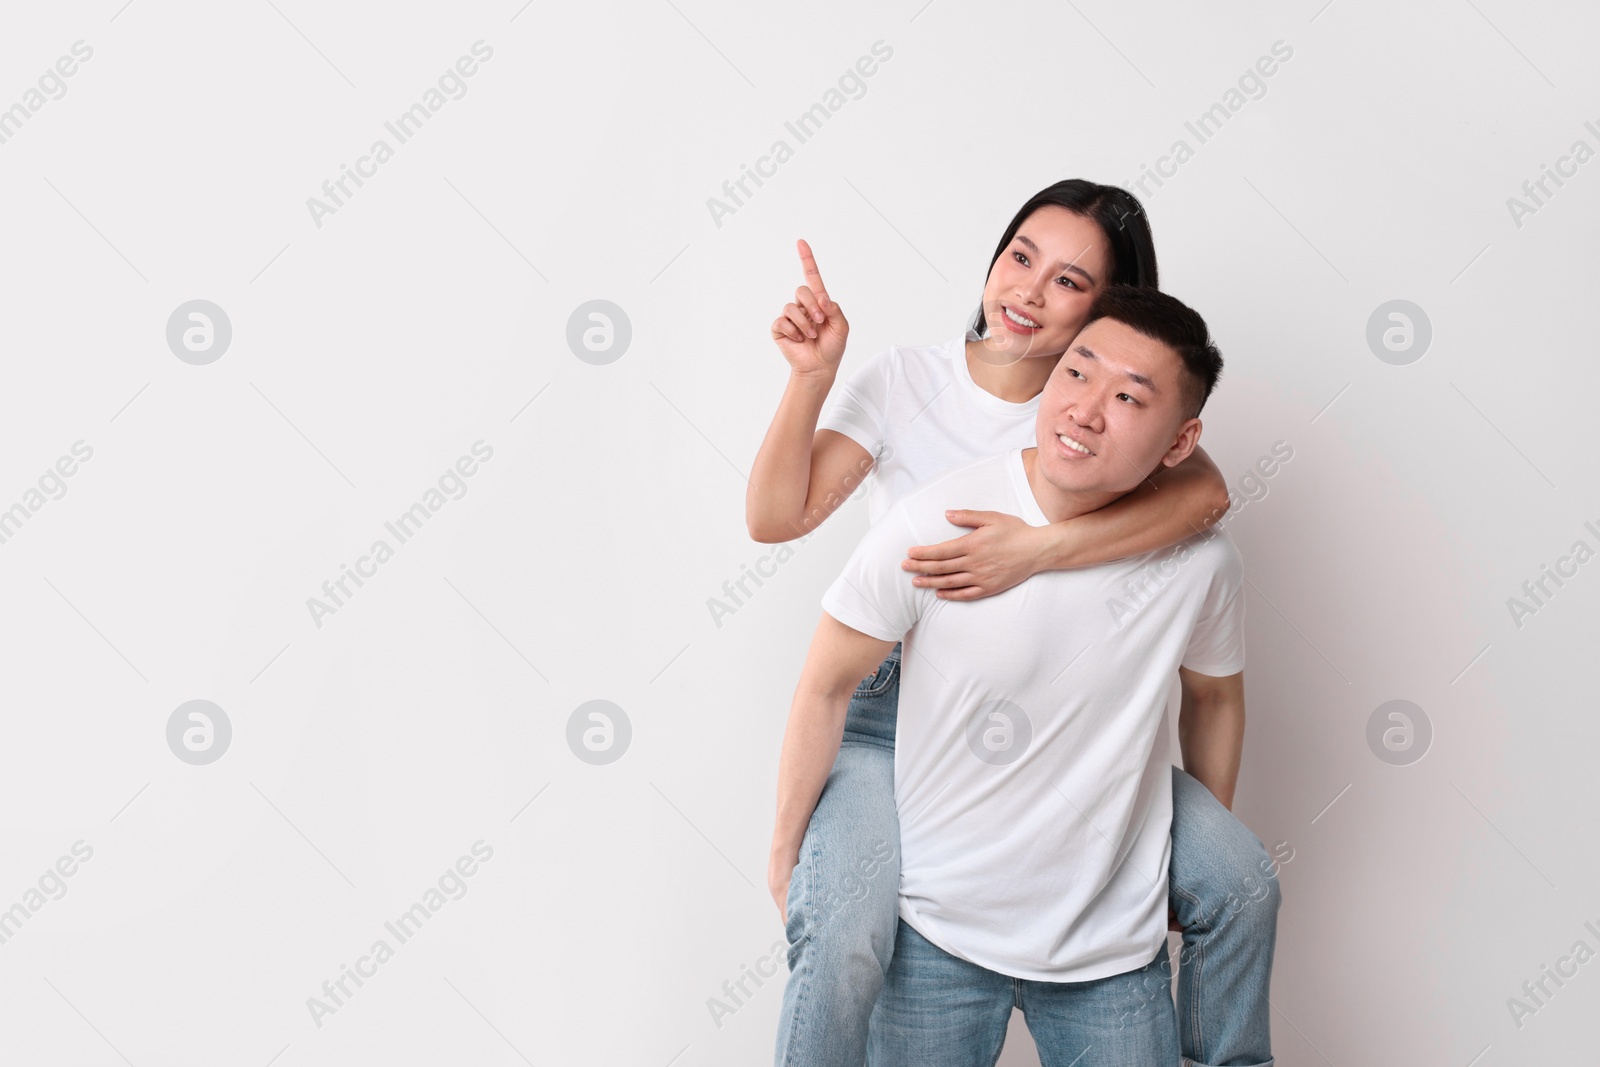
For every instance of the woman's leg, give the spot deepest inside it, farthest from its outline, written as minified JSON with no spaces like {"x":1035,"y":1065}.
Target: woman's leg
{"x":1225,"y":892}
{"x":843,"y":900}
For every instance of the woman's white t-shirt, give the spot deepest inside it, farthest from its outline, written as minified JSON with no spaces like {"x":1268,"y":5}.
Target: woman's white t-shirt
{"x":916,"y":409}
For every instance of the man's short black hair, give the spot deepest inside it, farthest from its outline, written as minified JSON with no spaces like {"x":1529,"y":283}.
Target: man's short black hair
{"x":1169,"y":320}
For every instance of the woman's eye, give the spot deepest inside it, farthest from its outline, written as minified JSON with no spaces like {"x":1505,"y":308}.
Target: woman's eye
{"x":1021,"y":258}
{"x":1067,"y":281}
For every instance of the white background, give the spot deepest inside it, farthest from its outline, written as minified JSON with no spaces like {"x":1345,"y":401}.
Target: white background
{"x":430,"y":311}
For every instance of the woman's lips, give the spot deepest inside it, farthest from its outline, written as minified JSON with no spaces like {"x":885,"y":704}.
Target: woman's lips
{"x":1017,"y":327}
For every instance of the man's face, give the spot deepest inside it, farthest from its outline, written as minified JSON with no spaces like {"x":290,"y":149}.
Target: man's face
{"x":1118,"y":395}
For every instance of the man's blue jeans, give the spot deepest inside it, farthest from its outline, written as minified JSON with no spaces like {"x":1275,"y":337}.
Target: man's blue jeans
{"x":843,"y":910}
{"x":937,"y":1010}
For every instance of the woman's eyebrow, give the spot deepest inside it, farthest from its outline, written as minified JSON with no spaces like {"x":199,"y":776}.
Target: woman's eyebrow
{"x":1022,"y":240}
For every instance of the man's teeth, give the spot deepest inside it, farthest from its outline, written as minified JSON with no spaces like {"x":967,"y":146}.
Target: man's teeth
{"x":1020,"y":320}
{"x":1070,"y":443}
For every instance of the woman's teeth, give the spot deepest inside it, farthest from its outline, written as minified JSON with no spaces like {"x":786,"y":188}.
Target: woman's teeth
{"x":1020,"y":320}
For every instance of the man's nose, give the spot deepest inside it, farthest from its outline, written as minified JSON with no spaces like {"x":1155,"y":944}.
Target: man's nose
{"x":1086,"y":411}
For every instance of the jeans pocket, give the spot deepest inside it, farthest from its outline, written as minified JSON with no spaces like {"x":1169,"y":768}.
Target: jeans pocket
{"x":881,"y":679}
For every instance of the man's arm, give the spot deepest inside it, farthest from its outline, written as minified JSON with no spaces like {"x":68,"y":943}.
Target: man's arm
{"x":839,"y":658}
{"x":1211,"y":730}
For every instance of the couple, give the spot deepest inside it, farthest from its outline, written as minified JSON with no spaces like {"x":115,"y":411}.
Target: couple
{"x":1027,"y":843}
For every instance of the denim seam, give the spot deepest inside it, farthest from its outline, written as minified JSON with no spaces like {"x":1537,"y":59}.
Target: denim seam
{"x":1195,"y":983}
{"x":801,"y":1005}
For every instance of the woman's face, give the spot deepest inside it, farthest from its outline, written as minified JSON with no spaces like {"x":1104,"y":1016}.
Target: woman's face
{"x":1039,"y":290}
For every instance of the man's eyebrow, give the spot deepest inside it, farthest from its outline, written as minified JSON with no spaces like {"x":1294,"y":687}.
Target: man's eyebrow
{"x":1088,"y":353}
{"x":1022,"y":240}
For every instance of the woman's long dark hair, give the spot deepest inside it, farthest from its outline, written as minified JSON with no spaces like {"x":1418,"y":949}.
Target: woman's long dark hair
{"x":1121,"y":218}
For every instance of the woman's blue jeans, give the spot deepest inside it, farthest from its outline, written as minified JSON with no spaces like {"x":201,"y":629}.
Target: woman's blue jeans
{"x":843,"y":911}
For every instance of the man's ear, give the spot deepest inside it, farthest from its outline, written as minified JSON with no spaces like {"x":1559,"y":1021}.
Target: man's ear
{"x":1183,"y":444}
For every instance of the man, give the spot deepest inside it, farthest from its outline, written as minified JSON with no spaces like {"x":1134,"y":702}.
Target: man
{"x":1031,"y":769}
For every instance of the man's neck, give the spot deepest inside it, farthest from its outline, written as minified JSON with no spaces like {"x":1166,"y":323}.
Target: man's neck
{"x":1060,"y":504}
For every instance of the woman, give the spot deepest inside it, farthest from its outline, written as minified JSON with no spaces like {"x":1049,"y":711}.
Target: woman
{"x":912,"y":414}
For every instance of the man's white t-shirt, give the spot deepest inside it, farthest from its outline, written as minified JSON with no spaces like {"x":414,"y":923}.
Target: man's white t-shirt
{"x":1031,"y":763}
{"x":916,"y":409}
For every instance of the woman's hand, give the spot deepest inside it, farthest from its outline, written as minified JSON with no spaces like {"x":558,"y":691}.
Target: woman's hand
{"x":1000,"y":552}
{"x":811,"y":331}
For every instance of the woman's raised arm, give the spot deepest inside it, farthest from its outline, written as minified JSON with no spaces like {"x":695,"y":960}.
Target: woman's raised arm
{"x":802,"y":474}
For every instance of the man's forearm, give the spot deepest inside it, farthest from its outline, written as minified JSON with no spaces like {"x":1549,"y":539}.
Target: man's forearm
{"x":810,"y":746}
{"x":1211,"y":734}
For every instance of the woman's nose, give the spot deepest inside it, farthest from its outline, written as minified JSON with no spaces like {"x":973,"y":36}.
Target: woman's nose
{"x":1032,"y":285}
